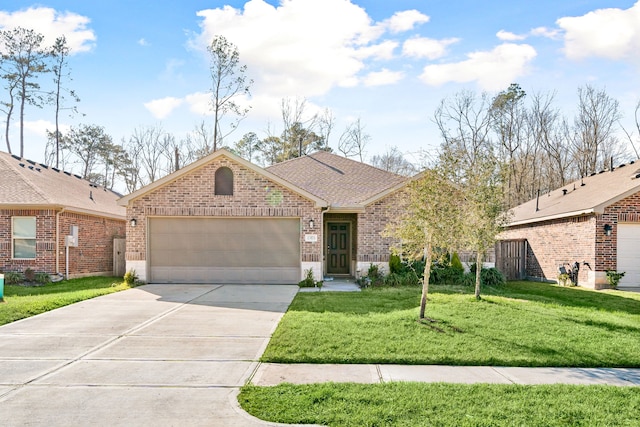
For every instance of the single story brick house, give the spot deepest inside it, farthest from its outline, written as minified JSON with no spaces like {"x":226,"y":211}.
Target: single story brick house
{"x":40,"y":206}
{"x":594,"y":221}
{"x":223,"y":219}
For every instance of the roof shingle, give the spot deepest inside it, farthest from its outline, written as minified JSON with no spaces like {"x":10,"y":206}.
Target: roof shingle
{"x":27,"y":183}
{"x":338,"y":180}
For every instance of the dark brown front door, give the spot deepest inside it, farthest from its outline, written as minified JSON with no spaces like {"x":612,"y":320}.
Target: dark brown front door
{"x":338,"y":248}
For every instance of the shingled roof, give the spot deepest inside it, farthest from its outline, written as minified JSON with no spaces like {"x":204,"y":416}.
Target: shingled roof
{"x":590,"y":195}
{"x":340,"y":181}
{"x":25,"y":184}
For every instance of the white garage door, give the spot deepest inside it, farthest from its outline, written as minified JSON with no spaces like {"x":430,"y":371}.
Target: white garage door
{"x":224,"y":250}
{"x":629,"y":254}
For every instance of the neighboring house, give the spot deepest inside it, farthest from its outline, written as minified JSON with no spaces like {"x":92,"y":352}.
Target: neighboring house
{"x":40,"y":206}
{"x":223,"y":219}
{"x":594,"y":220}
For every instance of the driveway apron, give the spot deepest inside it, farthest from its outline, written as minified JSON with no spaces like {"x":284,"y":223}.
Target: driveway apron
{"x":154,"y":355}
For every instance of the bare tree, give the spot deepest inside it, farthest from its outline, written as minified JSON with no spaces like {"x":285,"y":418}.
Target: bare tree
{"x":393,"y":161}
{"x":24,"y":59}
{"x":147,"y":145}
{"x":593,"y":133}
{"x":325,"y":121}
{"x":228,"y":82}
{"x":354,"y":140}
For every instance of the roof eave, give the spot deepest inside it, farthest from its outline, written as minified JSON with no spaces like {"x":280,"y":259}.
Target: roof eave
{"x":552,"y":217}
{"x":74,"y":209}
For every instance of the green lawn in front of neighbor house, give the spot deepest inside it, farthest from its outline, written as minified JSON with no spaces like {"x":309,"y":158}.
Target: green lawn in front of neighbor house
{"x":25,"y":301}
{"x":438,"y":404}
{"x":518,"y":324}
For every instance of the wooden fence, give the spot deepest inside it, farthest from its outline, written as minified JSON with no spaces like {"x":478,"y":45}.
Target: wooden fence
{"x":511,"y":256}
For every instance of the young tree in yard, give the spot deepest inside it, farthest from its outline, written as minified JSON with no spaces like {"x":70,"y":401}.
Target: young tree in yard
{"x":23,"y":60}
{"x":432,"y":219}
{"x":467,"y":159}
{"x":228,"y":82}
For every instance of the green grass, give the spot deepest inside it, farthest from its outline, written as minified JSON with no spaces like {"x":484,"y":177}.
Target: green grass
{"x":21,"y":301}
{"x":415,"y":404}
{"x":520,"y":324}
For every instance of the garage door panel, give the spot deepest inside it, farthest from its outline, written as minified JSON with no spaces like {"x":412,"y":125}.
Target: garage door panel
{"x":628,"y":250}
{"x":224,"y":250}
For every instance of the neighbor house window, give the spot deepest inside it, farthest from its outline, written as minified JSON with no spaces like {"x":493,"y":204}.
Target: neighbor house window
{"x":23,"y":235}
{"x":224,"y":182}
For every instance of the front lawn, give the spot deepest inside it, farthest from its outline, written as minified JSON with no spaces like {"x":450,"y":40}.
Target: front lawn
{"x":26,"y":301}
{"x":519,"y":324}
{"x":416,"y":404}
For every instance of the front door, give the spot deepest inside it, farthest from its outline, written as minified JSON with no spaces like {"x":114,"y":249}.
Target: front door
{"x":338,"y":249}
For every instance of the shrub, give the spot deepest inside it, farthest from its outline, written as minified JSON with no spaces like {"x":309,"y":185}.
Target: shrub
{"x":13,"y":278}
{"x":448,"y":275}
{"x":130,"y":277}
{"x":42,"y":278}
{"x":492,"y":277}
{"x":29,"y":275}
{"x":396,"y":265}
{"x":455,"y":262}
{"x":613,"y":277}
{"x":564,"y":279}
{"x":393,"y":279}
{"x":375,"y":275}
{"x":308,"y":281}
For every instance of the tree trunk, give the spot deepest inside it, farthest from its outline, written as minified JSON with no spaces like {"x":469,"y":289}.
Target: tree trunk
{"x":478,"y":273}
{"x":425,"y":278}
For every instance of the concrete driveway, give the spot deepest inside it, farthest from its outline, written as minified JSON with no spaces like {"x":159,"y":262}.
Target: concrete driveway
{"x":160,"y":355}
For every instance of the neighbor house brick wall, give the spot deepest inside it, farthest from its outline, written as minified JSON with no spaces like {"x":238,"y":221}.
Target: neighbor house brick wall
{"x":372,"y":246}
{"x":94,"y":254}
{"x":626,"y":210}
{"x":193,"y":195}
{"x":556,"y":242}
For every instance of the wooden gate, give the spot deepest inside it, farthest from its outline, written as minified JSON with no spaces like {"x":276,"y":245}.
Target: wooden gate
{"x":119,"y":263}
{"x":511,"y":258}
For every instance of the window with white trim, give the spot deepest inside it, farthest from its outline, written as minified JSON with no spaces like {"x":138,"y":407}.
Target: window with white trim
{"x":23,"y":237}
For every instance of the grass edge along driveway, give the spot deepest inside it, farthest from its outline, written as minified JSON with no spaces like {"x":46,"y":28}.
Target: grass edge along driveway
{"x":26,"y":301}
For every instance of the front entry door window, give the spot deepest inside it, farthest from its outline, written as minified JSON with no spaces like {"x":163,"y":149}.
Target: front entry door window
{"x":338,"y":249}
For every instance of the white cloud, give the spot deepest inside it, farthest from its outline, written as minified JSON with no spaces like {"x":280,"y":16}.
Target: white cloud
{"x":609,"y":33}
{"x":53,"y":24}
{"x":320,"y":43}
{"x":40,"y":127}
{"x":162,"y":108}
{"x":545,"y":32}
{"x":424,"y":47}
{"x":383,"y":77}
{"x":143,"y":42}
{"x":509,"y":37}
{"x":405,"y":20}
{"x":199,"y":103}
{"x":492,"y":70}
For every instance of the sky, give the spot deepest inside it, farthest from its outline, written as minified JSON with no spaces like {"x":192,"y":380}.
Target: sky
{"x":144,"y":63}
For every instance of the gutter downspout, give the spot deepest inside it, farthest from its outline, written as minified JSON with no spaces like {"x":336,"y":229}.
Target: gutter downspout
{"x":58,"y":240}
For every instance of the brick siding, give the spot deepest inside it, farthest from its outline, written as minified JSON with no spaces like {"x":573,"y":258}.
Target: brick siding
{"x":551,"y":243}
{"x":193,"y":195}
{"x":372,"y":246}
{"x":94,"y":253}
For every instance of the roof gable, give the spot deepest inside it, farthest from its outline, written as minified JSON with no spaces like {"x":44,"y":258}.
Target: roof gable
{"x":590,"y":195}
{"x":340,"y":181}
{"x":124,"y":201}
{"x":27,"y":184}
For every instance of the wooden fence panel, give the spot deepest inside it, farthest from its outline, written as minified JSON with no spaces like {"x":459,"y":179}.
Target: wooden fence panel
{"x":119,"y":263}
{"x":511,"y":258}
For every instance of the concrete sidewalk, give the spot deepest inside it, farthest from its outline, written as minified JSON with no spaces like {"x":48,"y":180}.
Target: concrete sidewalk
{"x":269,"y":374}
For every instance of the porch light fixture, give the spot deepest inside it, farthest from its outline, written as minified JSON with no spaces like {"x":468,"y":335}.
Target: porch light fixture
{"x":133,"y":222}
{"x":607,"y":229}
{"x":311,"y":223}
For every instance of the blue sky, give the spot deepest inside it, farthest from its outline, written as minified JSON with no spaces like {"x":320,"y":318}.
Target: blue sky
{"x":389,"y":63}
